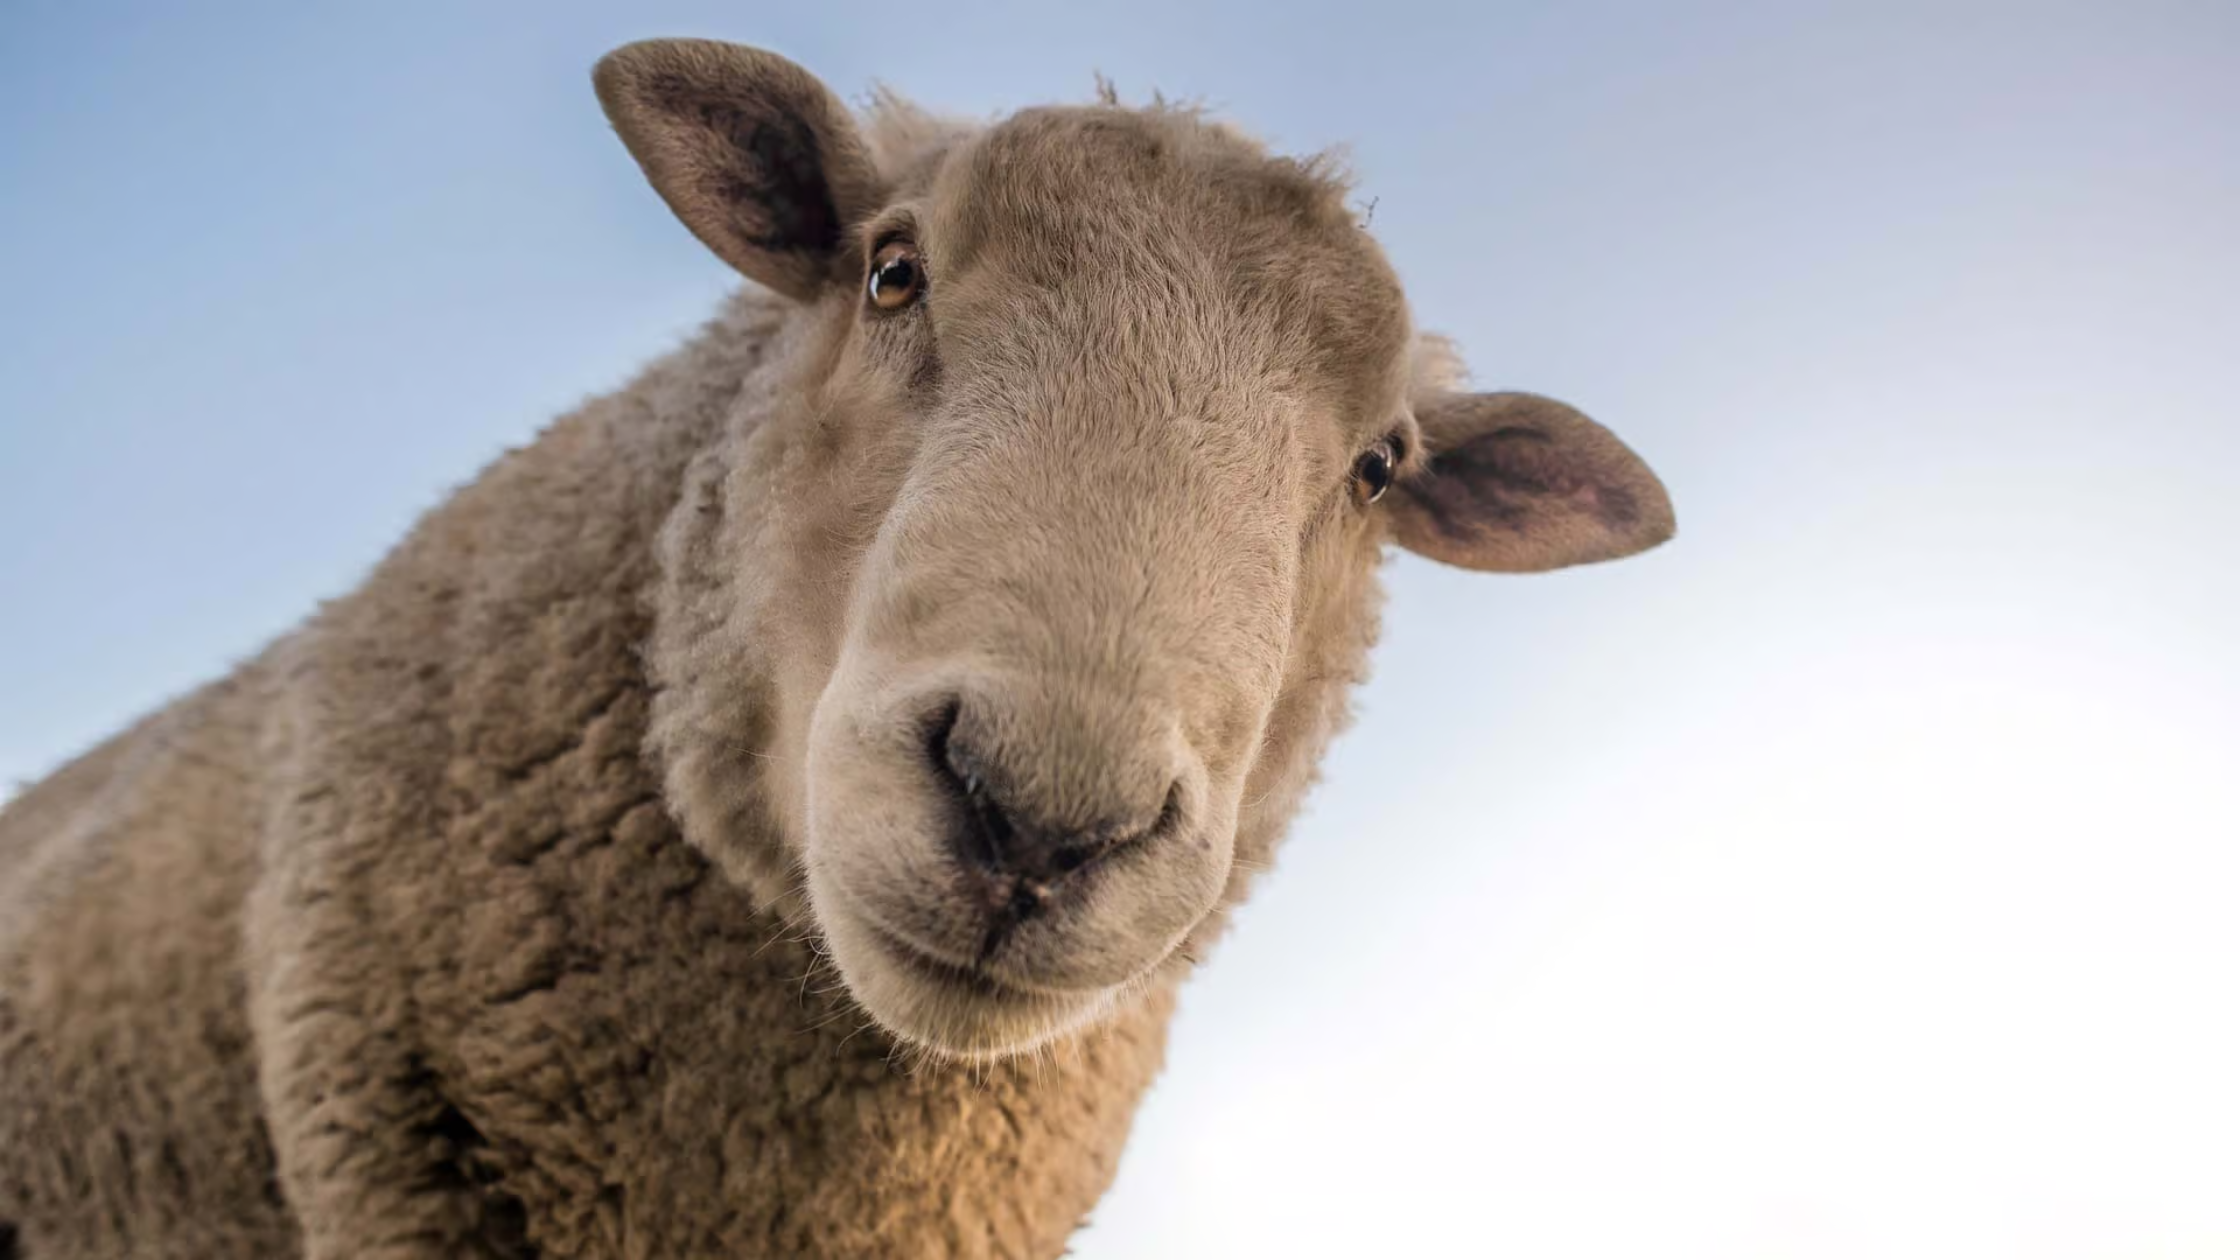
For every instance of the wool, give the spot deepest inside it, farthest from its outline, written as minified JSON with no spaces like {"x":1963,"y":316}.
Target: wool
{"x":514,"y":904}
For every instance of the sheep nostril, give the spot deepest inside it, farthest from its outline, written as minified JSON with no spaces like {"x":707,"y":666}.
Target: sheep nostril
{"x":982,"y":828}
{"x":1080,"y":849}
{"x":998,"y":840}
{"x":940,"y":727}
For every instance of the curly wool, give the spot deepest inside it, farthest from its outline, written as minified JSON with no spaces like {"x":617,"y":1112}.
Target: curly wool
{"x":418,"y":840}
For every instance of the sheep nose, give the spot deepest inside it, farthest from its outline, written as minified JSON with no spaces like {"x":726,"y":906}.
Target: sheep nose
{"x":1028,"y":828}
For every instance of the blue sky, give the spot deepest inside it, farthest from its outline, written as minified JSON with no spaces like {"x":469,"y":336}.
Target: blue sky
{"x":1851,"y":878}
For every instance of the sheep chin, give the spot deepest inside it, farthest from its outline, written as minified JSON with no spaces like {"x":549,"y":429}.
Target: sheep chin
{"x":939,"y":1011}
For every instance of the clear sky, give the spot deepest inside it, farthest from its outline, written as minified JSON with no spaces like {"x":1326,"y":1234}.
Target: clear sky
{"x":1855,"y":877}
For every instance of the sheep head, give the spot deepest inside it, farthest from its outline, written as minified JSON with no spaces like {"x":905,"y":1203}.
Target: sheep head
{"x":1036,"y":589}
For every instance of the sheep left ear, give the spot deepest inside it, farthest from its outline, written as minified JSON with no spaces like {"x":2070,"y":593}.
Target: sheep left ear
{"x":757,"y":156}
{"x":1517,"y":483}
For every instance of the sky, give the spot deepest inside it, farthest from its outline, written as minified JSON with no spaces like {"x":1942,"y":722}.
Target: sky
{"x":1853,"y":877}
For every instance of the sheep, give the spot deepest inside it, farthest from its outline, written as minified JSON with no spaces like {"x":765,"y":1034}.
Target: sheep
{"x":770,"y":813}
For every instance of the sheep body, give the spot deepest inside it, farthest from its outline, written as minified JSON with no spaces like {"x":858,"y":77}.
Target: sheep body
{"x":417,"y":837}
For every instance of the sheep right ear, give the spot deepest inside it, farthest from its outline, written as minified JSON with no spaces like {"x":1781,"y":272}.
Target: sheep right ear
{"x":756,"y":156}
{"x":1517,"y":483}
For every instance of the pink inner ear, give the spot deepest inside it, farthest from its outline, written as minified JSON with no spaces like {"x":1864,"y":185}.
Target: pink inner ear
{"x":1518,"y":483}
{"x":1503,"y":479}
{"x":751,"y":152}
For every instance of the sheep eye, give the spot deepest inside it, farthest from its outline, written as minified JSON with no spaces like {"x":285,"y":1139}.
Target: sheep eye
{"x":897,"y":277}
{"x":1372,"y":473}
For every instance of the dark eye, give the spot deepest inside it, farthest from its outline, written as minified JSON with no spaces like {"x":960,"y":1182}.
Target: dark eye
{"x":1372,"y":473}
{"x":897,"y":278}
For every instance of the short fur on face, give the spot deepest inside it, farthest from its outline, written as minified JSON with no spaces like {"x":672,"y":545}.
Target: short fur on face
{"x":1021,"y":621}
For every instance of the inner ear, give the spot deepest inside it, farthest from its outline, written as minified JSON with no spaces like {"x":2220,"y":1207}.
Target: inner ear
{"x":1518,"y":483}
{"x":752,"y":152}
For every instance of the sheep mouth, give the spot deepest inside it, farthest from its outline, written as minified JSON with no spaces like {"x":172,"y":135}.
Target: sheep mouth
{"x":974,"y":978}
{"x":981,"y":1010}
{"x":924,"y":966}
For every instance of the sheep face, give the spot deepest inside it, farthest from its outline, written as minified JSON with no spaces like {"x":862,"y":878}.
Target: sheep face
{"x":1061,"y":539}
